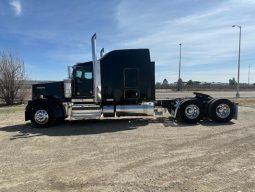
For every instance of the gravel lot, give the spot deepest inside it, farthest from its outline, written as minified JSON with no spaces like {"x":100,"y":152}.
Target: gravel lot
{"x":127,"y":155}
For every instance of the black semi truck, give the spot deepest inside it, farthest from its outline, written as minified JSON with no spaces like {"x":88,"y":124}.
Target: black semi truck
{"x":120,"y":83}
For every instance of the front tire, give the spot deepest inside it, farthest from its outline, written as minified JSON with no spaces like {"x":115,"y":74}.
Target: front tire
{"x":41,"y":116}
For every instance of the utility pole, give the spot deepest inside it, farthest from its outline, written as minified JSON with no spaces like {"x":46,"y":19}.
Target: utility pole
{"x":238,"y":74}
{"x":179,"y":77}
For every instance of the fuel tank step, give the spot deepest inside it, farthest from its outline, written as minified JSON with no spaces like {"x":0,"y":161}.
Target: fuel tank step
{"x":85,"y":111}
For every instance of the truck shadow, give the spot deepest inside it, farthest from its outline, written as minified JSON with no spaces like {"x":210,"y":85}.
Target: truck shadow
{"x":81,"y":127}
{"x":214,"y":124}
{"x":170,"y":122}
{"x":90,"y":127}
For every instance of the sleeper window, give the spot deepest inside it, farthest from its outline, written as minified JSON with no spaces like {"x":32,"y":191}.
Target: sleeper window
{"x":131,"y":78}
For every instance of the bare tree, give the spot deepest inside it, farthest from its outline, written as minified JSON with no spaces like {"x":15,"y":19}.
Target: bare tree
{"x":12,"y":77}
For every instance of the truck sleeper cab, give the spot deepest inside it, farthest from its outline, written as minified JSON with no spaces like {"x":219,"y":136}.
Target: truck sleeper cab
{"x":121,"y":83}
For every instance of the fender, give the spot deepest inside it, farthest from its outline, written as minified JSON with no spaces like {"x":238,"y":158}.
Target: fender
{"x":57,"y":108}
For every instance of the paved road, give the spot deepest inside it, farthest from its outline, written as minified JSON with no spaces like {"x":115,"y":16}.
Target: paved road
{"x":216,"y":94}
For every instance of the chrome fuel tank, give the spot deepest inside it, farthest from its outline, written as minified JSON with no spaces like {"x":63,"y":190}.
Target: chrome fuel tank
{"x":144,"y":109}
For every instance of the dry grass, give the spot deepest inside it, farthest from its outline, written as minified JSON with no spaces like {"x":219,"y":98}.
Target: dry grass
{"x":244,"y":101}
{"x":11,"y":109}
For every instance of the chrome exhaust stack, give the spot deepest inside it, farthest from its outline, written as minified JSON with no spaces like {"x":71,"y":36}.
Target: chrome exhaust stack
{"x":70,"y":71}
{"x":96,"y":72}
{"x":93,"y":44}
{"x":102,"y":53}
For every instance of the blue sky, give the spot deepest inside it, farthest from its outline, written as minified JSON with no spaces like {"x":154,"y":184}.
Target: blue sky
{"x":50,"y":35}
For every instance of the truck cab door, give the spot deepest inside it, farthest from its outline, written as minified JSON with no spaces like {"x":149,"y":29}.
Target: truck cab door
{"x":83,"y":81}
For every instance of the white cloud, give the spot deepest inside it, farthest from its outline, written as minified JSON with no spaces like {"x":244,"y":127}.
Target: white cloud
{"x":16,"y":6}
{"x":206,"y":33}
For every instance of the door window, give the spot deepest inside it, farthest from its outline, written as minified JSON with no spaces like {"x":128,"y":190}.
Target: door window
{"x":84,"y":80}
{"x":78,"y":73}
{"x":88,"y":75}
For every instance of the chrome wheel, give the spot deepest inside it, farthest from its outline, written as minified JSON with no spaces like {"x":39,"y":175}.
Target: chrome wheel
{"x":192,"y":111}
{"x":223,"y":111}
{"x":41,"y":116}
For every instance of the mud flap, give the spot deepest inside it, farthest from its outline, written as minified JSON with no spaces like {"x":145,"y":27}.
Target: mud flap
{"x":176,"y":110}
{"x":236,"y":111}
{"x":27,"y":115}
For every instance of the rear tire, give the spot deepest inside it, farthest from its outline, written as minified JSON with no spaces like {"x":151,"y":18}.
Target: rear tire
{"x":190,"y":111}
{"x":41,"y":116}
{"x":221,"y":110}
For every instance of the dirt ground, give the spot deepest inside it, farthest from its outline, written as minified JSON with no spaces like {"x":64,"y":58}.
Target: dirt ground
{"x":127,"y":154}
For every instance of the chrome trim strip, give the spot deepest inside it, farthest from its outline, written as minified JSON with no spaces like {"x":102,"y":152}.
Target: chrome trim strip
{"x":83,"y":100}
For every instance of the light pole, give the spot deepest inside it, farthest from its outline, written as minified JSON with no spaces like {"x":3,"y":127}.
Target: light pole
{"x":249,"y":71}
{"x":238,"y":74}
{"x":179,"y":77}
